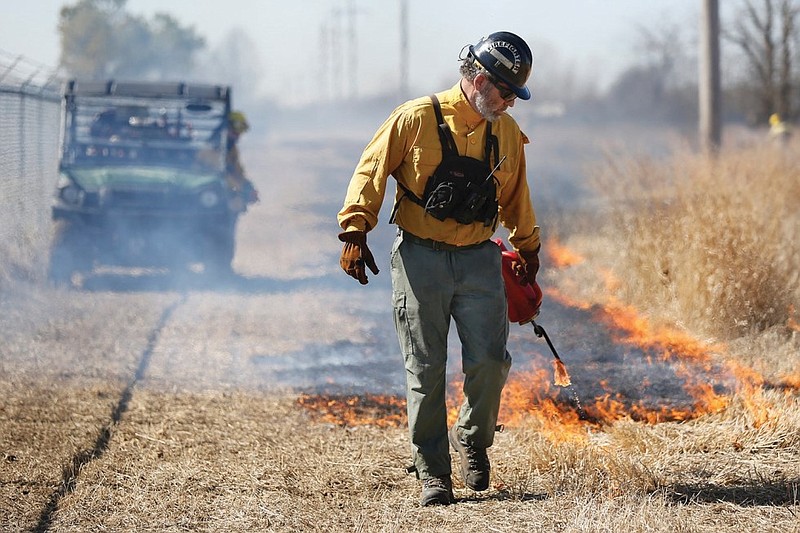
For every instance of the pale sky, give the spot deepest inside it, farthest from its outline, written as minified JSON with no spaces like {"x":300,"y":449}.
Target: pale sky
{"x":595,"y":37}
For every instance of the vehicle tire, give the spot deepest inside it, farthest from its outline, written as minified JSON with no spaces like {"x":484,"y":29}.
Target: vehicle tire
{"x":70,"y":254}
{"x":219,"y":258}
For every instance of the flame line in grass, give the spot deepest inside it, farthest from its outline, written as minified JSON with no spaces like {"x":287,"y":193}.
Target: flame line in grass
{"x":529,"y":398}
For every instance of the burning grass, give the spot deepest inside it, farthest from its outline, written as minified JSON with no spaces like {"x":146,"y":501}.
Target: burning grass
{"x":356,"y":410}
{"x":710,"y":376}
{"x":699,"y":261}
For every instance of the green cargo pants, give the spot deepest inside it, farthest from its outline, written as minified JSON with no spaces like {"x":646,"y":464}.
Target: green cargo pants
{"x":429,"y":287}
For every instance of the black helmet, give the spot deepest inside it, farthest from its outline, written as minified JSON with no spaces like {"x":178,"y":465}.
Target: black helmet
{"x":506,"y":57}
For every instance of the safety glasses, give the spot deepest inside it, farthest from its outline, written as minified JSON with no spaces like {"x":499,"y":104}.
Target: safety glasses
{"x":506,"y":93}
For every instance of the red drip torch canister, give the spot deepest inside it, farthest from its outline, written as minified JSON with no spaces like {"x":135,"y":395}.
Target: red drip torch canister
{"x":524,"y":300}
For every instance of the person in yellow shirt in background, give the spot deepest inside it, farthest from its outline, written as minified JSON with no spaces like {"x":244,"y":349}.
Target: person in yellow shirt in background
{"x":245,"y":192}
{"x":779,"y":131}
{"x":459,"y":162}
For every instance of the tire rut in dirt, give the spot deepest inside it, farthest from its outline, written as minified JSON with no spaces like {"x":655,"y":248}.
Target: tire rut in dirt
{"x":84,"y":457}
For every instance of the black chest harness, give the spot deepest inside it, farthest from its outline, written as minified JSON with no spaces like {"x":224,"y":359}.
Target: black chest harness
{"x":461,"y":187}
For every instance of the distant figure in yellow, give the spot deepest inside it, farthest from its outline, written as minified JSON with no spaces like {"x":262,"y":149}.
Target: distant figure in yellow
{"x":779,"y":131}
{"x":245,"y":192}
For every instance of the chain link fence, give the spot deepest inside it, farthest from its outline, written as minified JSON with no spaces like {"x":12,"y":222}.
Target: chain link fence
{"x":30,"y":118}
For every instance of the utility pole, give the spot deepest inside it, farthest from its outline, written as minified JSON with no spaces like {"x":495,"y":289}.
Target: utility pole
{"x":710,"y":130}
{"x":336,"y":47}
{"x":404,"y":48}
{"x":325,"y":59}
{"x":353,"y":49}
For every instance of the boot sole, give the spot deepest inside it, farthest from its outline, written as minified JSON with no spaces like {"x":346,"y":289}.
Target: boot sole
{"x":438,"y":499}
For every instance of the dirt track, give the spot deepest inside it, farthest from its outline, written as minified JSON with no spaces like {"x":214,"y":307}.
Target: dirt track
{"x":73,"y":360}
{"x":77,"y":362}
{"x":153,"y":396}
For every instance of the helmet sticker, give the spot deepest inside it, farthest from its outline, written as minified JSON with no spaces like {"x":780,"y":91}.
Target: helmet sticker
{"x":501,"y":57}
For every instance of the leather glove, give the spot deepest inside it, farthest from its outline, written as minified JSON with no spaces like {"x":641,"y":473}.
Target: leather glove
{"x":527,"y":268}
{"x":249,"y":193}
{"x":253,"y":196}
{"x":355,"y":255}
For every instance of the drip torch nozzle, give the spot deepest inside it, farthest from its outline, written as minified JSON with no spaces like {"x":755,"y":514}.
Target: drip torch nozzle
{"x":562,"y":378}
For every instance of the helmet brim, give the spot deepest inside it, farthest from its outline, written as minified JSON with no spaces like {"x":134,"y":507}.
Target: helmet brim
{"x":523,"y":93}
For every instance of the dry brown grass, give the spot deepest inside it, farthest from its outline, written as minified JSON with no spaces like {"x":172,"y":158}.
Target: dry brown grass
{"x":713,"y":243}
{"x":37,"y":442}
{"x":245,"y":462}
{"x":229,"y":458}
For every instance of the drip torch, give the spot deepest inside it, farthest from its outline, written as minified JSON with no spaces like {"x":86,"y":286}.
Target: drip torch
{"x":524,"y":301}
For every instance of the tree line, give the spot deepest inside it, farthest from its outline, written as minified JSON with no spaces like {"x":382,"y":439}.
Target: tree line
{"x":100,"y":39}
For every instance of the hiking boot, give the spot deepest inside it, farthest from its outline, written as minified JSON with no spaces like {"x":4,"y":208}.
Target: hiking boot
{"x":474,"y":462}
{"x":437,"y":490}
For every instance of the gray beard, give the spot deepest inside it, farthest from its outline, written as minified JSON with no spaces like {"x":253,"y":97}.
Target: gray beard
{"x":481,"y":103}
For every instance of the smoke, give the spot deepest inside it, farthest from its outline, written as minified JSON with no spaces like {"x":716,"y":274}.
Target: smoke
{"x":236,"y":61}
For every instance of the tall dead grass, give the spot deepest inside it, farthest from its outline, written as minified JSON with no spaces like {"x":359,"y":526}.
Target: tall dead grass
{"x":713,"y":242}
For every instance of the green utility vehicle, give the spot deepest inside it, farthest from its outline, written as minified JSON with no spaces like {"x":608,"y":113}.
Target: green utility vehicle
{"x":142,"y":179}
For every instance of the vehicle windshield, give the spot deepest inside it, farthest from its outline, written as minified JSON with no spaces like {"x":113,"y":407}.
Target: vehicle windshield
{"x":130,"y":131}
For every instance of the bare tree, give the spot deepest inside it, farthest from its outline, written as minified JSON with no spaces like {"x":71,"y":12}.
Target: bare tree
{"x":767,"y":36}
{"x":653,"y":87}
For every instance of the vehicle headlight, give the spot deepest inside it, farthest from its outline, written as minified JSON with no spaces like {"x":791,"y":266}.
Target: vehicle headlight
{"x":71,"y":195}
{"x":68,"y":191}
{"x":209,"y":198}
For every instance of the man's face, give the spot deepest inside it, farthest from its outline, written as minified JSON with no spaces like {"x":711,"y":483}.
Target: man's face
{"x":492,"y":98}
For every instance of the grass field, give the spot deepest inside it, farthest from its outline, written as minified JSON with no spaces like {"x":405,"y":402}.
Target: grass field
{"x":695,"y":260}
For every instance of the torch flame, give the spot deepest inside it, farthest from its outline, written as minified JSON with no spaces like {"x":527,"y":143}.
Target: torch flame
{"x":562,"y":378}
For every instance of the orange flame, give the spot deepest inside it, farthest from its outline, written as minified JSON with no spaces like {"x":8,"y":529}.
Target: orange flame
{"x":528,"y":398}
{"x":560,"y":255}
{"x":562,"y":378}
{"x":356,"y":410}
{"x":791,"y":381}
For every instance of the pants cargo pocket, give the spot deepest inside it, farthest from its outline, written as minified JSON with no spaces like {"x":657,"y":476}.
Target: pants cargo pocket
{"x":401,"y":323}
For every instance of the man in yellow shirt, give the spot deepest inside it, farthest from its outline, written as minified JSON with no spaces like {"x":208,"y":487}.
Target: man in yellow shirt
{"x":459,"y":162}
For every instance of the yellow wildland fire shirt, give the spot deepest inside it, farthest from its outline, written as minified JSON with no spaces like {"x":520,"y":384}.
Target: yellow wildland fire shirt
{"x":407,"y":147}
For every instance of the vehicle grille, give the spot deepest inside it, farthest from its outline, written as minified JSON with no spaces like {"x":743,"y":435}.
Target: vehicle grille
{"x":158,"y":199}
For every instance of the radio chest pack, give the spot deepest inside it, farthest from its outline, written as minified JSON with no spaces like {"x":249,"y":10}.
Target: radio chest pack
{"x":461,"y":187}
